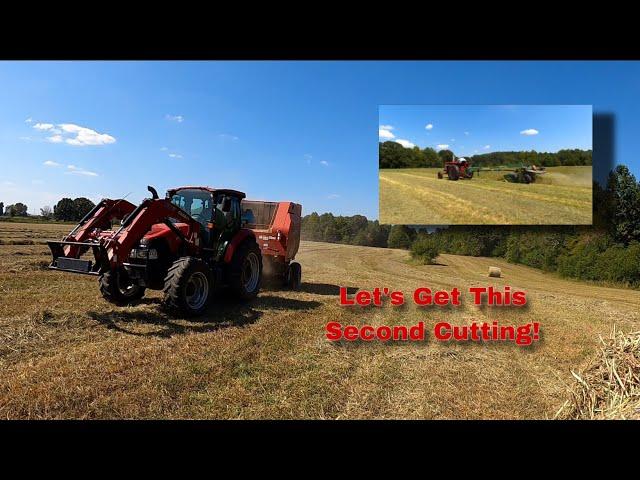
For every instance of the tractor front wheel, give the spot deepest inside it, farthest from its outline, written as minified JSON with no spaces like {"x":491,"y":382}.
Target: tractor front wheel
{"x":187,"y":286}
{"x":294,"y":276}
{"x":117,"y":288}
{"x":245,"y":271}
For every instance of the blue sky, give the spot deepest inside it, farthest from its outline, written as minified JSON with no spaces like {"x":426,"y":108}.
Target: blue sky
{"x":302,"y":131}
{"x":475,"y":129}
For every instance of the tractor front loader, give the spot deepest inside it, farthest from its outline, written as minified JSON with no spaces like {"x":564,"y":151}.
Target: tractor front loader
{"x":187,"y":244}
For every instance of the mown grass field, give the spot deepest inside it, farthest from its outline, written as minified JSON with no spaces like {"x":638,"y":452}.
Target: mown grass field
{"x":562,"y":196}
{"x":66,"y":353}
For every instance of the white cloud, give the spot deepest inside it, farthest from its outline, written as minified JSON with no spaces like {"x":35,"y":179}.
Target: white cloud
{"x":83,"y":172}
{"x":163,"y":149}
{"x":466,"y":133}
{"x":428,"y":126}
{"x":324,"y":163}
{"x":28,"y":120}
{"x":453,"y":140}
{"x":81,"y":136}
{"x":529,"y":132}
{"x":308,"y":157}
{"x":73,"y":134}
{"x":333,"y":196}
{"x":442,"y":146}
{"x":487,"y":147}
{"x":175,"y":155}
{"x":174,"y":118}
{"x":385,"y":132}
{"x":405,"y":143}
{"x":51,"y":163}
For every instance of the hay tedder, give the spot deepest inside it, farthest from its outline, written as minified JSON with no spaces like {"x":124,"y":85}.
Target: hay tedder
{"x":460,"y":168}
{"x":195,"y":241}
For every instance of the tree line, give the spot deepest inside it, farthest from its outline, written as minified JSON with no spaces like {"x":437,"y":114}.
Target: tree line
{"x":66,"y":209}
{"x":393,"y":155}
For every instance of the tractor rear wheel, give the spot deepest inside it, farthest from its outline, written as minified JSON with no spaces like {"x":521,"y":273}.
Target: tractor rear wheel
{"x":453,"y":172}
{"x":294,"y":276}
{"x":527,"y":178}
{"x":245,"y":272}
{"x":188,"y":286}
{"x":117,"y":288}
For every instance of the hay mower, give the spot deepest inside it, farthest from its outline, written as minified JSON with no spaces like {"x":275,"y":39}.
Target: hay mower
{"x":195,"y":241}
{"x":461,"y":169}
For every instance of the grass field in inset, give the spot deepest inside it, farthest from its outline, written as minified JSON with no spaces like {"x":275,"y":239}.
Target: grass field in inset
{"x":67,"y":353}
{"x":415,"y":196}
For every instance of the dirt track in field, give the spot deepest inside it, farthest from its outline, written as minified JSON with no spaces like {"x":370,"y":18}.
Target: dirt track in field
{"x":418,"y":197}
{"x":66,"y":353}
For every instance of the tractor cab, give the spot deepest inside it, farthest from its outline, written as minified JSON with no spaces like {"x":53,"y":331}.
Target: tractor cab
{"x":216,"y":210}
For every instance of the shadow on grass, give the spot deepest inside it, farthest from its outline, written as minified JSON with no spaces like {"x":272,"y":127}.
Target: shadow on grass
{"x":325,"y":289}
{"x":222,"y":313}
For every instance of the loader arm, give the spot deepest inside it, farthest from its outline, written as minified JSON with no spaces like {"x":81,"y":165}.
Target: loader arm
{"x":100,"y":217}
{"x":140,"y":221}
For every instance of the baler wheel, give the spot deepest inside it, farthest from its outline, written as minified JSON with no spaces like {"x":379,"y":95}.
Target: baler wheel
{"x":294,"y":276}
{"x":116,"y":288}
{"x":246,"y":271}
{"x":187,"y":286}
{"x":439,"y":175}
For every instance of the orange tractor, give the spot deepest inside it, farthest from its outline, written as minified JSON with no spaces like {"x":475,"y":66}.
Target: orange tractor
{"x":193,"y":242}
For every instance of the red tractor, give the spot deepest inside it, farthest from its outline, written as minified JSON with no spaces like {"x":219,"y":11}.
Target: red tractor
{"x":457,"y":169}
{"x":194,"y":241}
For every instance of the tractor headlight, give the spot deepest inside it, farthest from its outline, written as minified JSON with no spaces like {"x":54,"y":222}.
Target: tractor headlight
{"x":144,"y":253}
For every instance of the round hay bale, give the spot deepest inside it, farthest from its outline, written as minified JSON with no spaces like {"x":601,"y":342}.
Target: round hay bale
{"x":495,"y":272}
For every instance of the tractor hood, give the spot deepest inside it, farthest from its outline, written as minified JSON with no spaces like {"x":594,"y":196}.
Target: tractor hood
{"x":160,"y":230}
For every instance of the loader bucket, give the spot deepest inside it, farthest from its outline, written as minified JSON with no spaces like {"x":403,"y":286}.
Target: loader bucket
{"x":71,"y":257}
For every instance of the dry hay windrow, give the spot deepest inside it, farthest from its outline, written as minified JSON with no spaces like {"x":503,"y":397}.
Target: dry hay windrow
{"x":609,"y":387}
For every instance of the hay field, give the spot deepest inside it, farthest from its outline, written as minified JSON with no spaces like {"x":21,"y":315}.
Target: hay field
{"x":66,"y":353}
{"x":416,"y":196}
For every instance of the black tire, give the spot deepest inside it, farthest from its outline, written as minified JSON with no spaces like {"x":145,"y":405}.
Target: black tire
{"x":294,"y":276}
{"x":188,"y":286}
{"x":245,"y":271}
{"x":440,"y":175}
{"x":470,"y":175}
{"x":453,"y":172}
{"x":527,"y":178}
{"x":116,"y":288}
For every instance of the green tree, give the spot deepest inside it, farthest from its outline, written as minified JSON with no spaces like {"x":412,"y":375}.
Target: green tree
{"x":445,"y":156}
{"x":82,"y":206}
{"x":401,"y":236}
{"x":64,"y":210}
{"x":424,"y":249}
{"x":625,"y":192}
{"x":17,"y":210}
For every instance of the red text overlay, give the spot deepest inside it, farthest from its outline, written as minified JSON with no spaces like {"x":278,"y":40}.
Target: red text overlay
{"x":521,"y":335}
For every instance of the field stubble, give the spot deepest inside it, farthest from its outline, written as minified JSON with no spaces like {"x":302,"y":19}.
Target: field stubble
{"x":66,"y":353}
